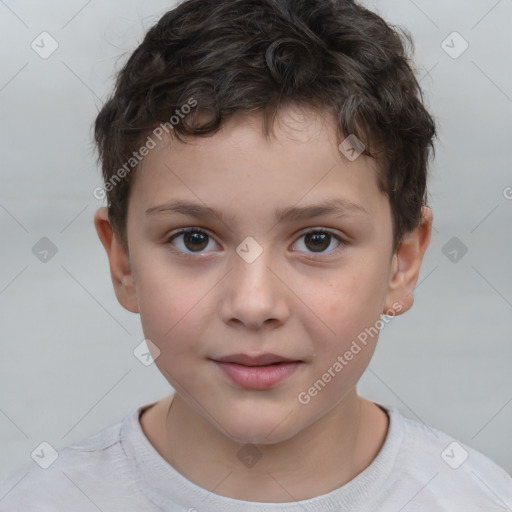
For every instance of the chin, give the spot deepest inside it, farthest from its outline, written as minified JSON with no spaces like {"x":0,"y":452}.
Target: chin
{"x":258,"y":428}
{"x":260,"y":436}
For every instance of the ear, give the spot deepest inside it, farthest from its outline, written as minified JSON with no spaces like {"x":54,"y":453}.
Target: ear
{"x":406,"y":264}
{"x":120,"y":269}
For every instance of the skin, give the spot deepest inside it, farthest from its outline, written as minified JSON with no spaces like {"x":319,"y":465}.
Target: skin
{"x":293,"y":300}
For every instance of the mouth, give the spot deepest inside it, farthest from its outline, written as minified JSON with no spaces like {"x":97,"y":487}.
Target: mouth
{"x":255,"y":360}
{"x":257,"y":372}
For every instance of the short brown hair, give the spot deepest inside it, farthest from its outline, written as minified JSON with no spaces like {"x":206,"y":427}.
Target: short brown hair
{"x":236,"y":56}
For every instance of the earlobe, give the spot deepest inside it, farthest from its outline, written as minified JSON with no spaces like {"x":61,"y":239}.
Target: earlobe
{"x":406,"y":264}
{"x":119,"y":261}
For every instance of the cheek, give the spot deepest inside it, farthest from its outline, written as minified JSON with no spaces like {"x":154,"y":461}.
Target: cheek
{"x":162,"y":300}
{"x":172,"y":309}
{"x":356,"y":294}
{"x":351,"y":306}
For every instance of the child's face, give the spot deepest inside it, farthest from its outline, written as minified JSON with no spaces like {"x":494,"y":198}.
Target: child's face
{"x":305,"y":298}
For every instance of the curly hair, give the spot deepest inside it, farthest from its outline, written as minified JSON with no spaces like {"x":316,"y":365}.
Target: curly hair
{"x":232,"y":56}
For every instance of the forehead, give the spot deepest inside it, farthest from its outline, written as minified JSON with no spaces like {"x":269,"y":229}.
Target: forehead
{"x":241,"y":169}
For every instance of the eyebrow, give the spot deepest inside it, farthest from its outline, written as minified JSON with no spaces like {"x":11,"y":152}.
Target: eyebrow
{"x":336,"y":206}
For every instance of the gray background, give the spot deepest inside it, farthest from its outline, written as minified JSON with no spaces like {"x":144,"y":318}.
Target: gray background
{"x":67,"y":368}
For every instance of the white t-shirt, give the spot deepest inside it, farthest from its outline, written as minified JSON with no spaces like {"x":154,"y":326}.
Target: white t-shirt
{"x":418,"y":469}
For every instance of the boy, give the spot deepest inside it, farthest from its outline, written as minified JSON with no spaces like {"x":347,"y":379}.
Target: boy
{"x":288,"y":140}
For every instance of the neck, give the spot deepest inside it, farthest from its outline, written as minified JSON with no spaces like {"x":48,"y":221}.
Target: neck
{"x":323,"y":457}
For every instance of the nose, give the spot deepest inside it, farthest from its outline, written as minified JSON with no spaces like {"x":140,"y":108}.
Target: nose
{"x":253,"y":294}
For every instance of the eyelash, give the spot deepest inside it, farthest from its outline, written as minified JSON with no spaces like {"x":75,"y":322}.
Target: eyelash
{"x":189,"y":255}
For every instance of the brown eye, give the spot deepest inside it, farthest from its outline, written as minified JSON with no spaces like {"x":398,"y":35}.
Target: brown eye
{"x":195,"y":241}
{"x":319,"y":240}
{"x":192,"y":240}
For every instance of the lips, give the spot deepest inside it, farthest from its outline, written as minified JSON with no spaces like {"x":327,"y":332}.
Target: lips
{"x":257,"y":360}
{"x":257,"y":372}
